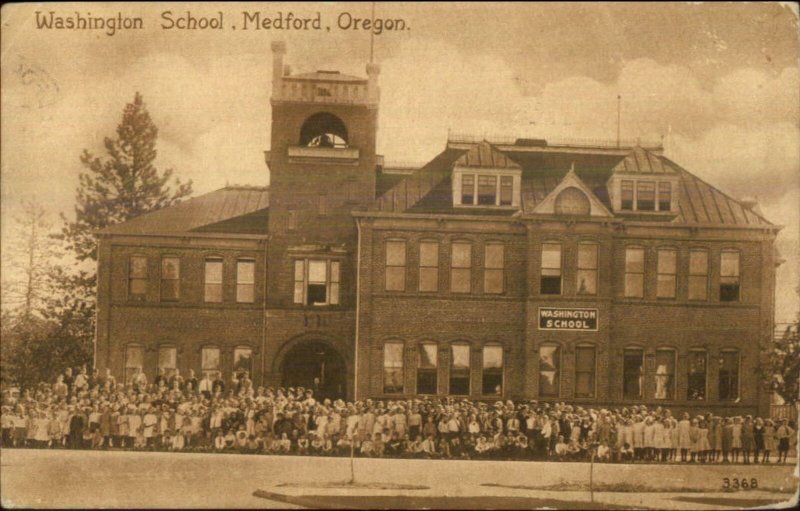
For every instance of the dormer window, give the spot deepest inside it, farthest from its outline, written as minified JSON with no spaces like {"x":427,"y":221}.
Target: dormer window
{"x":645,"y":195}
{"x":486,"y":188}
{"x":664,"y":196}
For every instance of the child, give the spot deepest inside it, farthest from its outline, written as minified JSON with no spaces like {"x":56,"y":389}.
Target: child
{"x":769,"y":439}
{"x":783,"y":434}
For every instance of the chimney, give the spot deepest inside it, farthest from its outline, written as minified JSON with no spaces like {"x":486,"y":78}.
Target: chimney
{"x":278,"y":51}
{"x":373,"y":92}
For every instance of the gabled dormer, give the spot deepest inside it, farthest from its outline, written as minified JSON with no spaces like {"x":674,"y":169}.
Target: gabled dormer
{"x":484,"y":177}
{"x":571,"y":198}
{"x":643,"y":185}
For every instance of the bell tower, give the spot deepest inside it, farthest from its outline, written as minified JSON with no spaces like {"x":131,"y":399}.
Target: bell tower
{"x":322,"y":166}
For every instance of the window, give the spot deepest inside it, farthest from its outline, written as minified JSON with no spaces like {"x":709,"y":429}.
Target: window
{"x":209,"y":362}
{"x":665,"y":374}
{"x":134,"y":359}
{"x":243,"y":359}
{"x":645,"y":196}
{"x":492,"y":381}
{"x":729,"y":276}
{"x":137,"y":277}
{"x":322,"y":205}
{"x":170,"y":278}
{"x":459,"y":369}
{"x":634,"y":272}
{"x":245,"y":280}
{"x":698,"y":274}
{"x":666,"y":273}
{"x":167,"y":359}
{"x":696,"y":388}
{"x":632,"y":373}
{"x":468,"y":189}
{"x":584,"y":371}
{"x":551,"y":269}
{"x":316,"y":282}
{"x":549,"y":370}
{"x":587,"y":268}
{"x":493,"y":268}
{"x":393,"y":368}
{"x":626,"y":195}
{"x":572,"y":201}
{"x":729,"y":375}
{"x":429,"y":266}
{"x":427,"y":367}
{"x":395,"y":265}
{"x":664,"y":196}
{"x":461,"y":267}
{"x":487,"y":190}
{"x":506,"y":190}
{"x":291,"y":220}
{"x":213,"y":280}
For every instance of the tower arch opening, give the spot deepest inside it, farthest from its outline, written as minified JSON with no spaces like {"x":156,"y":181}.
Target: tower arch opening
{"x":323,"y":129}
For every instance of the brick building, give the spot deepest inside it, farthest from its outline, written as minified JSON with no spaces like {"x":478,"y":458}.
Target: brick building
{"x":601,"y":274}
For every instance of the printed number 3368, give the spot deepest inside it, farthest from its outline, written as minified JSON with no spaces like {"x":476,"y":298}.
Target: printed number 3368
{"x":735,"y":483}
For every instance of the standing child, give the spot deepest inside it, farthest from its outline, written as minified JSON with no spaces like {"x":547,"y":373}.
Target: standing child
{"x":769,"y":439}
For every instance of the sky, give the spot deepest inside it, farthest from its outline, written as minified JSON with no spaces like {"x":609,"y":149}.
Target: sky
{"x":718,"y":82}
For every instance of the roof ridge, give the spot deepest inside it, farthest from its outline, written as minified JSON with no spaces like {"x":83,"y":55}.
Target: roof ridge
{"x":727,"y":196}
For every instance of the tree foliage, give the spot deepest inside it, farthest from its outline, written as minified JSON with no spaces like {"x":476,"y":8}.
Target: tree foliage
{"x":784,"y":364}
{"x":58,"y":329}
{"x":29,"y":260}
{"x":123,"y":185}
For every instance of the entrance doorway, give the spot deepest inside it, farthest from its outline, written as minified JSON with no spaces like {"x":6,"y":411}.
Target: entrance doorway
{"x":317,"y":366}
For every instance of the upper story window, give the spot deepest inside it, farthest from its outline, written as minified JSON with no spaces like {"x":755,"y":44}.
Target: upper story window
{"x":698,"y":274}
{"x":212,"y":288}
{"x":170,"y":278}
{"x":486,"y":188}
{"x":587,"y":268}
{"x":626,"y":195}
{"x":494,"y":261}
{"x":137,"y":277}
{"x":461,"y":267}
{"x":429,"y":266}
{"x":645,"y":195}
{"x":634,"y":272}
{"x":316,"y":282}
{"x":551,"y":269}
{"x":667,"y":264}
{"x":664,"y":196}
{"x":245,"y":280}
{"x":395,"y":265}
{"x":729,"y":276}
{"x":506,"y":190}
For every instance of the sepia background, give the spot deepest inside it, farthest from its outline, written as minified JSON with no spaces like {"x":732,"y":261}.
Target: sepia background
{"x":717,"y":82}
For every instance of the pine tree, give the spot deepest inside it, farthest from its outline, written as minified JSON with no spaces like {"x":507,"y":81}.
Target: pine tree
{"x":122,"y":186}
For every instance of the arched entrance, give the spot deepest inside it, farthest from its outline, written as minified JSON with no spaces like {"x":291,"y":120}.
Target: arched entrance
{"x":318,"y":366}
